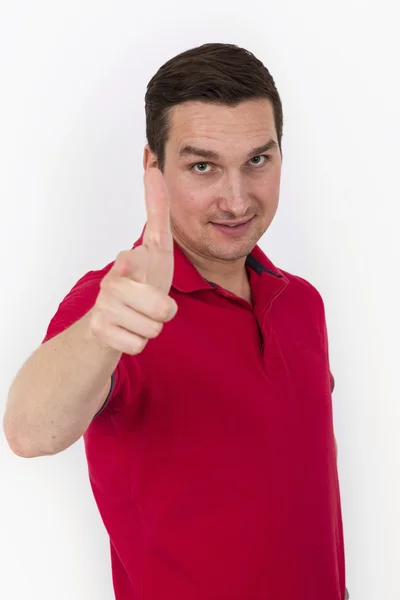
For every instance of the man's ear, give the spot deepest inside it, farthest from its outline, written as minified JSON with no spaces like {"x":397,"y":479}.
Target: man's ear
{"x":149,"y":158}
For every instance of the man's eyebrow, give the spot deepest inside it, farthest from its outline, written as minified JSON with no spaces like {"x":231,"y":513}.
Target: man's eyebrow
{"x":270,"y":145}
{"x":211,"y":155}
{"x":196,"y":151}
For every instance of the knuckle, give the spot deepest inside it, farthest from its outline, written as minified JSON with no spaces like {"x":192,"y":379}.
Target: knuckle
{"x":97,"y":322}
{"x":105,"y":288}
{"x":170,"y":309}
{"x":163,"y":311}
{"x":109,"y":283}
{"x":137,"y":345}
{"x":102,"y":306}
{"x":156,"y":328}
{"x":101,"y":327}
{"x":121,"y":255}
{"x":174,"y":307}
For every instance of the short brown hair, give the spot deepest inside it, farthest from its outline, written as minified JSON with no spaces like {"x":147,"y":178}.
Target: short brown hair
{"x":215,"y":73}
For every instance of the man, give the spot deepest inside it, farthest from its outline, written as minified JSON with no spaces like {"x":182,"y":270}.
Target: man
{"x":197,"y":371}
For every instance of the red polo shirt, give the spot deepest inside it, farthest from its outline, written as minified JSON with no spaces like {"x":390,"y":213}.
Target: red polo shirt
{"x":213,"y":462}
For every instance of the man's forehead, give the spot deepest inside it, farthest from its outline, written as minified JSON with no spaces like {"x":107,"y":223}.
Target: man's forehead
{"x":206,"y":125}
{"x":247,"y":112}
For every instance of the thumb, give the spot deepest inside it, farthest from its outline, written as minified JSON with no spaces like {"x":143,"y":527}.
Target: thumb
{"x":157,"y":234}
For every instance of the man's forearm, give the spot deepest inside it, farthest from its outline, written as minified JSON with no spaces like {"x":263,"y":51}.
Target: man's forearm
{"x":58,"y":391}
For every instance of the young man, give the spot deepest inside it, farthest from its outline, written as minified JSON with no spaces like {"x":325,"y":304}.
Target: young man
{"x":197,"y":371}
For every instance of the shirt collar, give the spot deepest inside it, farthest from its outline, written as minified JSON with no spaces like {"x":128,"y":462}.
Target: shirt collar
{"x":188,"y":279}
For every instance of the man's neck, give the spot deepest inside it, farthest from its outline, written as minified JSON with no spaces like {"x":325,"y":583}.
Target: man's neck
{"x":230,"y":275}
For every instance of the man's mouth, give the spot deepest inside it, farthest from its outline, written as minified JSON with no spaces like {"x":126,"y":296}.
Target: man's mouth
{"x":235,"y":228}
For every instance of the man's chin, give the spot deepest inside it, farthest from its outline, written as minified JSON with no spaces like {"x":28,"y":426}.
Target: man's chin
{"x":235,"y":250}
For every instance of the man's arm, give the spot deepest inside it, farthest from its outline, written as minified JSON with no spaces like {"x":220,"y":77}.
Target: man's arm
{"x":65,"y":382}
{"x":58,"y":391}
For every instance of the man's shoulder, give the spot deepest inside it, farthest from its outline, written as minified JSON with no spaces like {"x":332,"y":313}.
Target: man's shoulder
{"x":299,"y":284}
{"x":92,"y":278}
{"x":295,"y":283}
{"x":77,"y":301}
{"x":303,"y":295}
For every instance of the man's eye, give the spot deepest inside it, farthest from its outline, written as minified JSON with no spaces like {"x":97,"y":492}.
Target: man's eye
{"x":200,"y":167}
{"x":259,"y":160}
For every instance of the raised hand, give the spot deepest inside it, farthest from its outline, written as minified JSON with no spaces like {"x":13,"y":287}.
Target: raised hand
{"x":133,"y":302}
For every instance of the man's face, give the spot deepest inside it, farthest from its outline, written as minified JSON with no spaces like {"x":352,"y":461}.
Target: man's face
{"x":222,"y":166}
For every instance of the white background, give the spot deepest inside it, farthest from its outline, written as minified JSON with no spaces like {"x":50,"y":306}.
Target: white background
{"x":73,"y":77}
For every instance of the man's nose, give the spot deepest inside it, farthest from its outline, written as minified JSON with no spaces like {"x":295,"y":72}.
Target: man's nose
{"x":234,"y":196}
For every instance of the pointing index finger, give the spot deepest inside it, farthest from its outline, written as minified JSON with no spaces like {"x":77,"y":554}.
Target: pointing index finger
{"x":158,"y":228}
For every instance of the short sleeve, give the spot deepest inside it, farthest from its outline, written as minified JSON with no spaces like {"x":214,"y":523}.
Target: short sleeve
{"x":79,"y":300}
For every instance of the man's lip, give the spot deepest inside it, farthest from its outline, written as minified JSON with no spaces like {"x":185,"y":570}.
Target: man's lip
{"x":231,"y":222}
